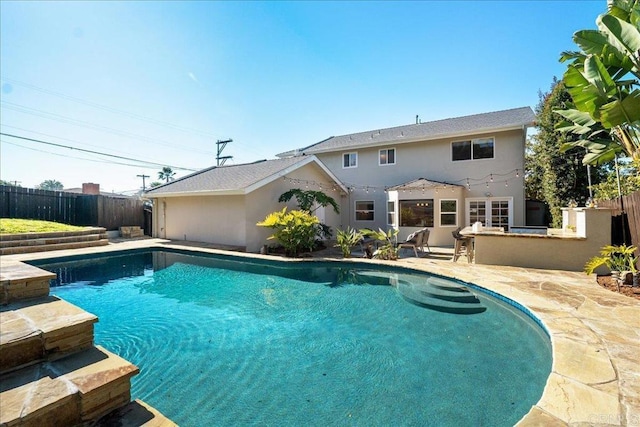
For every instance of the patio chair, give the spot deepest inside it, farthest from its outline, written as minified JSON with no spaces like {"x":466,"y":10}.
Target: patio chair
{"x":463,"y":246}
{"x":417,"y":241}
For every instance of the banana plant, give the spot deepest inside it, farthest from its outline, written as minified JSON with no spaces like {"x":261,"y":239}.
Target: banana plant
{"x":604,"y":83}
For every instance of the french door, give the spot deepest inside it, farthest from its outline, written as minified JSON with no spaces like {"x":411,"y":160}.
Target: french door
{"x":491,"y":212}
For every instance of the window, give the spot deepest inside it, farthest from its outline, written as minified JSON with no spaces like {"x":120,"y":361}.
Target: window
{"x":349,"y":160}
{"x":387,"y":157}
{"x":481,"y":148}
{"x":391,"y":213}
{"x":448,"y":213}
{"x":416,"y":213}
{"x":364,"y":210}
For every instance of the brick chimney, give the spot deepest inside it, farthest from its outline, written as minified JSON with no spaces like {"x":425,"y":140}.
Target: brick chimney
{"x":90,"y":188}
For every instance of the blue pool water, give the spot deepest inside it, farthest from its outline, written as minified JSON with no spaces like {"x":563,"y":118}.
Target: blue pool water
{"x":224,"y":342}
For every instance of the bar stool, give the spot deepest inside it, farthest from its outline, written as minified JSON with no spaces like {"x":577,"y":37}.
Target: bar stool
{"x":463,"y":246}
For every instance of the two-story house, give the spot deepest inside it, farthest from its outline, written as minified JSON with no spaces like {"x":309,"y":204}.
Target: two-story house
{"x":440,"y":174}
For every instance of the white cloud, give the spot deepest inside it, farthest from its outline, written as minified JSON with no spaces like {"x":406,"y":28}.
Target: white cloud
{"x":193,"y":77}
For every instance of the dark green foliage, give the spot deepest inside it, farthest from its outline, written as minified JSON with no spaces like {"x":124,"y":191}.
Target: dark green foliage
{"x":50,"y":184}
{"x":552,"y":176}
{"x":307,"y":198}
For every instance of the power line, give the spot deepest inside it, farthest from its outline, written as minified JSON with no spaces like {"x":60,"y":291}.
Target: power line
{"x":118,"y":111}
{"x":110,"y":109}
{"x":94,"y":152}
{"x":64,"y":119}
{"x":56,"y":137}
{"x":111,"y":162}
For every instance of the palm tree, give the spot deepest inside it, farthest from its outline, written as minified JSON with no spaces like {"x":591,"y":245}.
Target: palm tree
{"x":166,"y":173}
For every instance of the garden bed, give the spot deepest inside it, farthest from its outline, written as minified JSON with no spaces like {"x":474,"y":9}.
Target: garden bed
{"x":607,"y":283}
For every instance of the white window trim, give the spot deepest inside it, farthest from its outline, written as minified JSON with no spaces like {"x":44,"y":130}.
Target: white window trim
{"x":472,"y":141}
{"x":457,"y":212}
{"x":349,"y":154}
{"x":488,"y":210}
{"x":395,"y":156}
{"x":355,"y":210}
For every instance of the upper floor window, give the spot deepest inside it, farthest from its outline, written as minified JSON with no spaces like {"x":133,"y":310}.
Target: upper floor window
{"x":364,"y":210}
{"x":350,"y":160}
{"x":481,"y":148}
{"x":387,"y":156}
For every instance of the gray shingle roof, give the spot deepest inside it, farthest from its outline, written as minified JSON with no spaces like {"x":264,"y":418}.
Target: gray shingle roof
{"x":459,"y":126}
{"x":422,"y":183}
{"x":228,"y":178}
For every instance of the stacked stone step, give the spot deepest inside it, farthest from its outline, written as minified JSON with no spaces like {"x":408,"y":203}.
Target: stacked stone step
{"x":51,"y":373}
{"x":51,"y":241}
{"x":131,"y":232}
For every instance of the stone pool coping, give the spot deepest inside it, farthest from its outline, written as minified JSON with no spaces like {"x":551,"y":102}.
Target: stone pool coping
{"x":595,"y":333}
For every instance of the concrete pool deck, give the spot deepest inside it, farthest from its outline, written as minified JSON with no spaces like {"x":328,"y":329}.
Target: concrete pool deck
{"x":595,"y":333}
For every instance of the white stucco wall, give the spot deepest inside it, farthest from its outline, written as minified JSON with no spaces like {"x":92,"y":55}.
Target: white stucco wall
{"x":265,"y":200}
{"x":556,"y":252}
{"x":432,"y":160}
{"x":232,"y":219}
{"x":211,"y":219}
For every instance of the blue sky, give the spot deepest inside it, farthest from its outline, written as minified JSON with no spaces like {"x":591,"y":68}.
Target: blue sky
{"x":162,"y":81}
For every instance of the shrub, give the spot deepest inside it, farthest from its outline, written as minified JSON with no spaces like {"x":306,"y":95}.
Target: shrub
{"x":387,"y":249}
{"x":346,"y":239}
{"x":294,"y":230}
{"x":616,"y":258}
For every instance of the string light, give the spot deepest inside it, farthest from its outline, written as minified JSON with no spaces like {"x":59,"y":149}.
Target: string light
{"x":468,"y":182}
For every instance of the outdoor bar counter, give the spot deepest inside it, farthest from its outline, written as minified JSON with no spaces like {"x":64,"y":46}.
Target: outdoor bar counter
{"x":584,"y":232}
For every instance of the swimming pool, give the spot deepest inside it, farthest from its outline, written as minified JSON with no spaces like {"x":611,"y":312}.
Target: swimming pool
{"x":224,"y":341}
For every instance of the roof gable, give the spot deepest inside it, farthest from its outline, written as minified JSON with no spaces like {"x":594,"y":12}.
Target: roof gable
{"x":235,"y":179}
{"x":516,"y":118}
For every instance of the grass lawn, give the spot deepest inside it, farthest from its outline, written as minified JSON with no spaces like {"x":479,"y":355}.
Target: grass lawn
{"x":15,"y":226}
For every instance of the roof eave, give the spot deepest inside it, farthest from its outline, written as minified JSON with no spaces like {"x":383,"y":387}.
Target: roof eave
{"x":232,"y":192}
{"x":403,"y":140}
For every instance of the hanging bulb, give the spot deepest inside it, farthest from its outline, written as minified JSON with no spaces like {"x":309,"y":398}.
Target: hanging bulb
{"x":517,"y":173}
{"x":491,"y":177}
{"x":487,"y":184}
{"x":506,"y":183}
{"x":367,"y":190}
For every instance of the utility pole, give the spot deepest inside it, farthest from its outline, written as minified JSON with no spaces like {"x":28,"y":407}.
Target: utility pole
{"x":143,"y":176}
{"x":15,"y":183}
{"x":221,"y":145}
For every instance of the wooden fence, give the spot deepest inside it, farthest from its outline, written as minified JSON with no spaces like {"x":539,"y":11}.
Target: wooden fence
{"x":632,"y":208}
{"x":70,"y":208}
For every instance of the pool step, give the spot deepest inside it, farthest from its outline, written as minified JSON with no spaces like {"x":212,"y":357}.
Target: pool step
{"x":39,"y":329}
{"x":77,"y":389}
{"x":425,"y":295}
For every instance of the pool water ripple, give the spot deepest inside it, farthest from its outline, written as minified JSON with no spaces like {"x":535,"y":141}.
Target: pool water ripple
{"x":227,"y":343}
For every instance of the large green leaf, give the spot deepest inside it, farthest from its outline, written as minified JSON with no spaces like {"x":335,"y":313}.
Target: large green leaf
{"x":596,"y":74}
{"x":618,"y":112}
{"x":622,"y":35}
{"x":590,"y":41}
{"x":576,"y":116}
{"x":585,"y":96}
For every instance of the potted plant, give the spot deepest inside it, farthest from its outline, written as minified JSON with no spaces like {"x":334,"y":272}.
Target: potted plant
{"x":347,"y":239}
{"x":618,"y":259}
